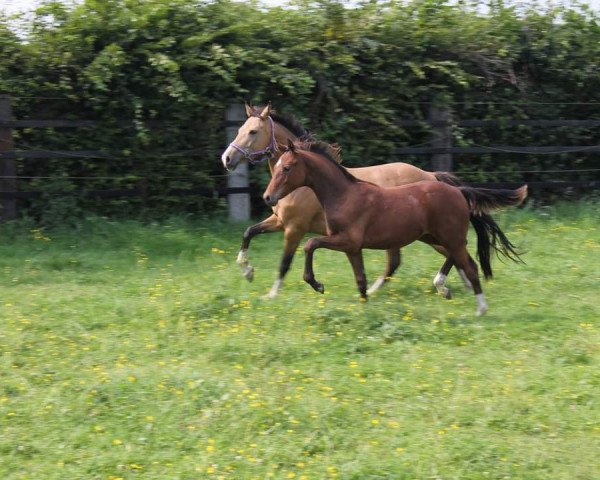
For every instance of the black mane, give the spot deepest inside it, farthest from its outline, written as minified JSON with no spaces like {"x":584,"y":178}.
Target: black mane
{"x":330,"y":152}
{"x":288,"y":121}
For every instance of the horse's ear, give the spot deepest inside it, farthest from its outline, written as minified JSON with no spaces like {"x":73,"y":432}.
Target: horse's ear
{"x":266,"y":111}
{"x":249,"y":109}
{"x":290,"y":146}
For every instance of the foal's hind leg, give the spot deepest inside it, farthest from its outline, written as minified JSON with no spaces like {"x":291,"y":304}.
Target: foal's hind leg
{"x":268,"y":225}
{"x":464,"y":261}
{"x":393,"y":262}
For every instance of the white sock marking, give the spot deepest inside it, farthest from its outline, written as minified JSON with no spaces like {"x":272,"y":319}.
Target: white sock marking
{"x":376,"y":285}
{"x":465,"y":279}
{"x":242,"y":258}
{"x":275,"y":288}
{"x":482,"y":305}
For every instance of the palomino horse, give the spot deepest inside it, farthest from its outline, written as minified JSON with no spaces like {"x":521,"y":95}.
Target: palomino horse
{"x":364,"y":215}
{"x":261,"y":139}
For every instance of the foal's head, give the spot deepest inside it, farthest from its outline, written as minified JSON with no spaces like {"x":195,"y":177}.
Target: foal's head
{"x":254,"y":141}
{"x":291,"y":170}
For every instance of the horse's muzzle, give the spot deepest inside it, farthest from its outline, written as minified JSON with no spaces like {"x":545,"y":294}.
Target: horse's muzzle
{"x":230,"y":159}
{"x":270,"y":200}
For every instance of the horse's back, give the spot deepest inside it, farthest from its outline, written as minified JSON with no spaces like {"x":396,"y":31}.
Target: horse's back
{"x":392,"y":174}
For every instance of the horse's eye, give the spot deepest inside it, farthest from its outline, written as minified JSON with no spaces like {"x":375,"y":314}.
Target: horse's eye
{"x":287,"y":168}
{"x":253,"y":132}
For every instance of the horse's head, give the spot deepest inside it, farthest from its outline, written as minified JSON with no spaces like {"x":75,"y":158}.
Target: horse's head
{"x":255,"y":141}
{"x":289,"y":173}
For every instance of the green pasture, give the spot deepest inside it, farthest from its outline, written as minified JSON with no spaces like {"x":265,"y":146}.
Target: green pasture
{"x":133,"y":350}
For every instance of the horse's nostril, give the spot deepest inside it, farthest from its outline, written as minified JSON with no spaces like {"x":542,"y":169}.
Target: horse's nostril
{"x":227,"y":160}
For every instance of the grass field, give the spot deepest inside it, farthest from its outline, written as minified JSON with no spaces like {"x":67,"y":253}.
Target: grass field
{"x":139,"y":351}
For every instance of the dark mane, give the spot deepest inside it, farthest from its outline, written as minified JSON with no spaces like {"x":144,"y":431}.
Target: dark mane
{"x":288,"y":121}
{"x":330,"y":152}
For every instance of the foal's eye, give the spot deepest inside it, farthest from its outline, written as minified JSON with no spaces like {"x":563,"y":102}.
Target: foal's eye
{"x":253,"y":132}
{"x":287,"y":168}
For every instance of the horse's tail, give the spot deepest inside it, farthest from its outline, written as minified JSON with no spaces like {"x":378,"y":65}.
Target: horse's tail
{"x":448,"y":178}
{"x":489,"y":234}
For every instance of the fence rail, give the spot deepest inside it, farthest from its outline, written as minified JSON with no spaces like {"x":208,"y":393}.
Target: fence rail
{"x":129,"y":192}
{"x":551,"y":186}
{"x":497,"y":149}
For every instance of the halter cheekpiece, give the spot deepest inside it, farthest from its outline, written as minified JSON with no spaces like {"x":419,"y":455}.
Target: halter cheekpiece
{"x":259,"y":156}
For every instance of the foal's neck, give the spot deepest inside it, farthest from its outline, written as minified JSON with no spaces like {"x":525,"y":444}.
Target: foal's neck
{"x":327,"y":181}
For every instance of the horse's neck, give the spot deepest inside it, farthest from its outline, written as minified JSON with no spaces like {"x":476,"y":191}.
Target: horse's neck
{"x":330,"y":184}
{"x":282,"y":135}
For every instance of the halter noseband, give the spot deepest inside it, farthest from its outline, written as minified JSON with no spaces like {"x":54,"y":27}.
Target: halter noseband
{"x":259,"y":156}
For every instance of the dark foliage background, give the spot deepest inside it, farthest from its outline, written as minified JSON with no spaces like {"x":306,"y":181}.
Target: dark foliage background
{"x":159,"y":75}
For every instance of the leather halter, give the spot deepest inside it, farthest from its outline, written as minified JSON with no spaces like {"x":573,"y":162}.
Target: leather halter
{"x":259,"y":156}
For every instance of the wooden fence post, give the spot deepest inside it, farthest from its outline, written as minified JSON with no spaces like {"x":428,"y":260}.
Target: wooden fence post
{"x":8,"y":166}
{"x":239,"y":203}
{"x":440,"y":119}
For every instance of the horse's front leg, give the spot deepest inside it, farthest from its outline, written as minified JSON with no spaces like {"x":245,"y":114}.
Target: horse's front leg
{"x":269,"y":225}
{"x":439,"y":282}
{"x":291,"y":240}
{"x":332,"y":242}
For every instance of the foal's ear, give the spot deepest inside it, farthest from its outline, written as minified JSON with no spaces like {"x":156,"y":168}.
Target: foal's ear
{"x":290,"y":146}
{"x":336,"y":151}
{"x":249,"y":109}
{"x":266,"y":111}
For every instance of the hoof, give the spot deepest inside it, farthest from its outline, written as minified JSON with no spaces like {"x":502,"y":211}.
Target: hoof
{"x":448,"y":294}
{"x":249,"y":273}
{"x":319,"y":287}
{"x":481,"y":311}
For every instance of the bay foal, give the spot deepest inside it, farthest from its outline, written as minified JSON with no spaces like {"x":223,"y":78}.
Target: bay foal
{"x":361,"y":214}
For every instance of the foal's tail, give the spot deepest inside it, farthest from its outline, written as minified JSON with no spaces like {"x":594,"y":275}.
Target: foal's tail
{"x":489,"y":234}
{"x":482,"y":200}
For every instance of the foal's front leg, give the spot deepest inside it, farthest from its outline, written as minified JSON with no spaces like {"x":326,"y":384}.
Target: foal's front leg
{"x":332,"y":242}
{"x":358,"y":266}
{"x":393,"y":262}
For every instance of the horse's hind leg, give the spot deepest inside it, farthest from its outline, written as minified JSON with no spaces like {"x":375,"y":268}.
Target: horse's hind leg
{"x":461,"y":272}
{"x":268,"y":225}
{"x":465,"y":262}
{"x":393,"y":262}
